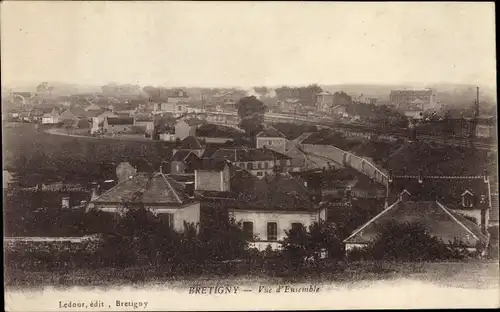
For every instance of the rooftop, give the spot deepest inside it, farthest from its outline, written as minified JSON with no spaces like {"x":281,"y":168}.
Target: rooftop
{"x":436,"y":218}
{"x":190,"y":143}
{"x":153,"y":189}
{"x":271,"y":132}
{"x":120,"y":121}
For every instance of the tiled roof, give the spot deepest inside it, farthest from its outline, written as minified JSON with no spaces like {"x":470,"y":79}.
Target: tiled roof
{"x":447,"y":190}
{"x":181,"y":155}
{"x":271,"y":132}
{"x":213,"y":164}
{"x":273,"y":192}
{"x":247,"y":154}
{"x":438,"y":220}
{"x":120,"y":121}
{"x":190,"y":143}
{"x":154,"y":189}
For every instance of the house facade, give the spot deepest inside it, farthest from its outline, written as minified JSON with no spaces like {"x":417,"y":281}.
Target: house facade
{"x":272,"y":139}
{"x":187,"y":127}
{"x":258,"y":161}
{"x":183,"y":162}
{"x":212,"y":175}
{"x":269,"y":207}
{"x":115,"y":125}
{"x":51,"y":118}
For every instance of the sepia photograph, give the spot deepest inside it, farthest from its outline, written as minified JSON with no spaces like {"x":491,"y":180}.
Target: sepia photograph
{"x":215,"y":156}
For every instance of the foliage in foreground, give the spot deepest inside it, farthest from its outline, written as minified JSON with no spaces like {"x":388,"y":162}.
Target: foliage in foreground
{"x":410,"y":242}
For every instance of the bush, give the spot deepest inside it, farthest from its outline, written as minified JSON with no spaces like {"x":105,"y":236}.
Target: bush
{"x":409,"y":242}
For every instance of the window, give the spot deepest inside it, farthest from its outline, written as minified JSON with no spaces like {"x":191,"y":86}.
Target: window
{"x":296,"y":226}
{"x":259,"y":174}
{"x":270,"y":142}
{"x":249,"y":166}
{"x":167,"y":220}
{"x":272,"y":231}
{"x":248,"y":230}
{"x":467,"y":201}
{"x":266,"y":165}
{"x":179,"y":108}
{"x":259,"y":165}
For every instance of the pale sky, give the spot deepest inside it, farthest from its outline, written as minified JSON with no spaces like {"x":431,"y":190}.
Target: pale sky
{"x":247,"y":44}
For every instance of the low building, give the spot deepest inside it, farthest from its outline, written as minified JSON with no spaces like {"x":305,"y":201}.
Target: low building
{"x":269,"y":207}
{"x":258,"y":161}
{"x":184,"y":161}
{"x":192,"y":144}
{"x":117,"y":125}
{"x":51,"y":118}
{"x":437,"y":219}
{"x":212,"y":175}
{"x":96,"y":119}
{"x":144,"y":121}
{"x":466,"y":195}
{"x":271,"y":138}
{"x":187,"y":127}
{"x":158,"y":193}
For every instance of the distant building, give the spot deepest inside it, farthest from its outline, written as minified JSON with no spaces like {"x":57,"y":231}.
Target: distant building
{"x":184,"y":162}
{"x":116,"y":125}
{"x":187,"y":127}
{"x":413,"y":102}
{"x":324,"y":100}
{"x":51,"y":118}
{"x":191,"y":144}
{"x":271,"y":138}
{"x":257,"y":161}
{"x":212,"y":175}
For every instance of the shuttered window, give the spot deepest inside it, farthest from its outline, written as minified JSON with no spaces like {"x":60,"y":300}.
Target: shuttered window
{"x":272,"y":231}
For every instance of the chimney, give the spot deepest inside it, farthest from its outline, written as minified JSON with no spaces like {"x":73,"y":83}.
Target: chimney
{"x":95,"y":189}
{"x":190,"y":189}
{"x":486,"y":178}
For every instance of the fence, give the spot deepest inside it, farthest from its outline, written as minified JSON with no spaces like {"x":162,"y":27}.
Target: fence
{"x":347,"y":159}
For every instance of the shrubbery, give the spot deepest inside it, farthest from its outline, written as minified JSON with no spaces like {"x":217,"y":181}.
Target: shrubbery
{"x":410,"y":242}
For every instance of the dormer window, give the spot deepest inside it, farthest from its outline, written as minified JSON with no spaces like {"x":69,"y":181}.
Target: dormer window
{"x":404,"y":196}
{"x":467,"y":199}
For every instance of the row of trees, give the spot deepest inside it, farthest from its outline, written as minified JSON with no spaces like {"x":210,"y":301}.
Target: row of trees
{"x":140,"y":238}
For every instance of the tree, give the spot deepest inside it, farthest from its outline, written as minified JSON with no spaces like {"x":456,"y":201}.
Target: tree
{"x":411,"y":242}
{"x":251,"y":112}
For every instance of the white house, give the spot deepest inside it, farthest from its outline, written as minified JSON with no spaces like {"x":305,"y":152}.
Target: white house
{"x":272,"y":139}
{"x":159,"y":193}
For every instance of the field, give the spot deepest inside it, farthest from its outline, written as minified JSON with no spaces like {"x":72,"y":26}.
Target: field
{"x":475,"y":274}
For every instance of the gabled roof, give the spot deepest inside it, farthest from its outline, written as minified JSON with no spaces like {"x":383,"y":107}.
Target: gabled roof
{"x":190,"y":143}
{"x":181,"y":155}
{"x":438,"y":220}
{"x":447,"y":190}
{"x":150,"y":189}
{"x":212,"y":164}
{"x":120,"y":121}
{"x":92,"y":107}
{"x":278,"y":192}
{"x":271,"y":132}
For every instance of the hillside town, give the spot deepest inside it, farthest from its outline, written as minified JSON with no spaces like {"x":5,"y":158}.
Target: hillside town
{"x":215,"y":151}
{"x":268,"y":181}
